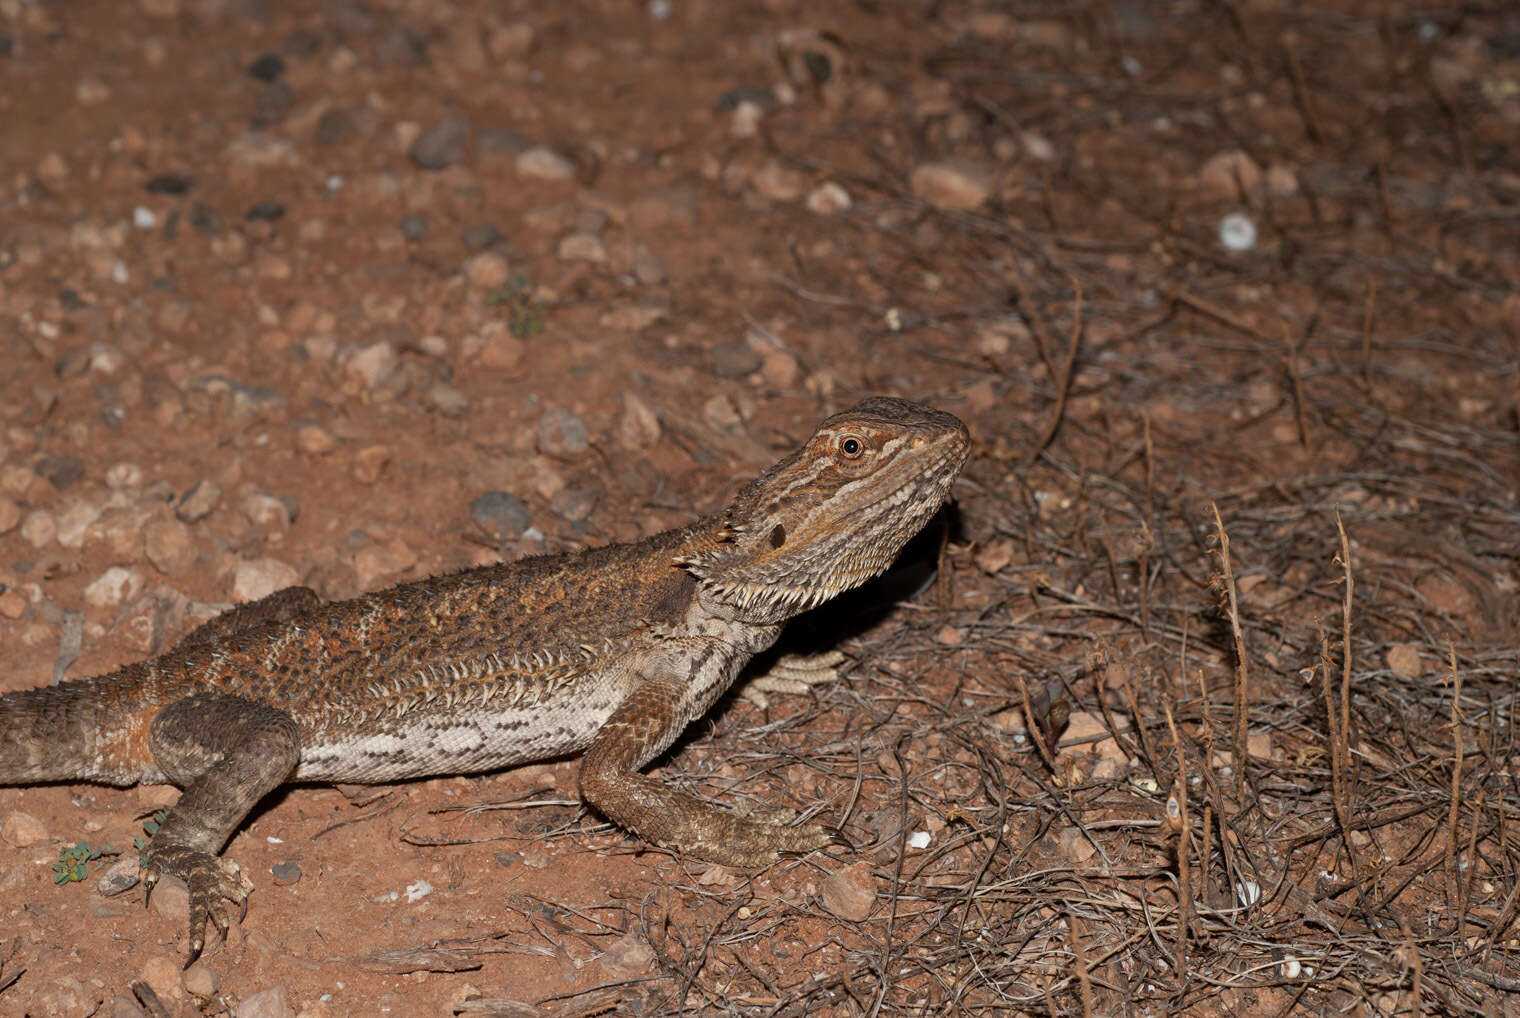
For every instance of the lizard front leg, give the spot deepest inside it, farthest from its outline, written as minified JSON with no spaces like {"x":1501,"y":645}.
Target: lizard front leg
{"x":645,"y":724}
{"x":226,"y":753}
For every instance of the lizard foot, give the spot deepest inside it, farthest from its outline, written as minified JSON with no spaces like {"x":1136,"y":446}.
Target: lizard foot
{"x":209,"y":878}
{"x":792,"y":673}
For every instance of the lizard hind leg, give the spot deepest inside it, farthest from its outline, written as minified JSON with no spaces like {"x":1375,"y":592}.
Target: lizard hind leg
{"x":226,"y":752}
{"x":793,"y":674}
{"x":646,"y":723}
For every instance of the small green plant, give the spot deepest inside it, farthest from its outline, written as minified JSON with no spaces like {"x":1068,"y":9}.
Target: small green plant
{"x":525,"y":316}
{"x":73,"y":863}
{"x":150,"y":828}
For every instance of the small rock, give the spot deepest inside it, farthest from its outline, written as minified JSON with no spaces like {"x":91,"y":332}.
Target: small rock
{"x":10,"y":514}
{"x":501,"y":351}
{"x":561,"y":433}
{"x":632,"y":317}
{"x":61,"y":471}
{"x":268,"y":1003}
{"x":74,"y":521}
{"x":1232,"y":174}
{"x":1404,"y":660}
{"x":719,"y":413}
{"x":994,"y":556}
{"x":170,"y":546}
{"x":116,"y":585}
{"x":582,"y":247}
{"x":1282,"y":182}
{"x":957,"y":186}
{"x":198,"y":503}
{"x":441,"y":145}
{"x":261,"y":577}
{"x":124,"y":874}
{"x":779,"y":369}
{"x":121,"y":476}
{"x":540,"y":163}
{"x":265,"y":211}
{"x":374,"y":364}
{"x":22,"y":829}
{"x":511,"y":42}
{"x":335,"y":127}
{"x":201,"y":980}
{"x":745,"y":122}
{"x":479,"y":236}
{"x":948,"y":636}
{"x":647,"y":268}
{"x":267,"y":67}
{"x":39,"y":528}
{"x":828,"y":199}
{"x":12,"y":604}
{"x":413,"y":226}
{"x":777,"y":182}
{"x":735,"y":360}
{"x":850,"y":893}
{"x":375,"y":563}
{"x":286,"y":873}
{"x":573,"y":504}
{"x":487,"y":270}
{"x":370,"y":462}
{"x":447,"y":400}
{"x":315,"y":440}
{"x":267,"y":512}
{"x":629,"y":955}
{"x":500,"y":513}
{"x":639,"y":427}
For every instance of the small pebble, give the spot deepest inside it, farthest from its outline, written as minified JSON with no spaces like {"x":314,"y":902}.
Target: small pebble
{"x":267,"y":67}
{"x":479,"y":237}
{"x":500,"y":513}
{"x":370,"y":462}
{"x":259,"y":578}
{"x":540,"y":163}
{"x":956,"y":186}
{"x":562,"y":433}
{"x":441,"y":145}
{"x":169,"y":546}
{"x":447,"y":400}
{"x":143,"y":218}
{"x":287,"y":873}
{"x":115,"y":586}
{"x":198,"y":503}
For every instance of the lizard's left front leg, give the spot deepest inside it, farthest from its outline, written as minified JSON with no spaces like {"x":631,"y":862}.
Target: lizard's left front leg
{"x":642,"y":727}
{"x":226,"y":753}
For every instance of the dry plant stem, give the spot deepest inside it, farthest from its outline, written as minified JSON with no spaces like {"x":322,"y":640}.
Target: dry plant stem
{"x":1036,"y":320}
{"x":1302,"y":97}
{"x":1177,"y":810}
{"x":1063,"y":380}
{"x":1212,"y":310}
{"x":1150,"y":530}
{"x":1369,"y":312}
{"x":1036,"y":730}
{"x":1242,"y":684}
{"x":1298,"y":388}
{"x":1077,"y":930}
{"x":1343,"y":741}
{"x":1452,"y":850}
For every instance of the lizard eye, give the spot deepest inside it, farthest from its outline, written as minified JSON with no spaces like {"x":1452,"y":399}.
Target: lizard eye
{"x":852,"y":448}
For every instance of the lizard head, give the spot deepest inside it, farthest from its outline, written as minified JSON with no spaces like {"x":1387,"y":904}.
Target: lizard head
{"x":836,"y":511}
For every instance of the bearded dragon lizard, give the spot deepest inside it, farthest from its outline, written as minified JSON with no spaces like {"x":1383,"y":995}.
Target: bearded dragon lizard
{"x":609,"y":652}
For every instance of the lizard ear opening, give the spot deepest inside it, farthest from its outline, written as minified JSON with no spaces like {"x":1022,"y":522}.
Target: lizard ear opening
{"x":778,"y":536}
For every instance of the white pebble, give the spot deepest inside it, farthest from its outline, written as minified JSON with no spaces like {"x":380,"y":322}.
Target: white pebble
{"x":1247,"y":892}
{"x":419,"y":890}
{"x":143,"y":218}
{"x":659,"y":10}
{"x":1237,"y":232}
{"x":334,"y":182}
{"x":918,"y":839}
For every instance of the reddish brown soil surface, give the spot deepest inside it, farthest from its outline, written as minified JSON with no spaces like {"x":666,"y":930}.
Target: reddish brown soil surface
{"x":285,"y":288}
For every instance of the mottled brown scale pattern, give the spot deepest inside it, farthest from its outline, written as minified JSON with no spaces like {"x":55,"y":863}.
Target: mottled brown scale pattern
{"x":611,"y":652}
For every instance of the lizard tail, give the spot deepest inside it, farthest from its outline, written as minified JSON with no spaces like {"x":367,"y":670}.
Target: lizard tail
{"x":57,"y":733}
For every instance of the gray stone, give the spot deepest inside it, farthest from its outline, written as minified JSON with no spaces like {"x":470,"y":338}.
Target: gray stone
{"x":735,"y":360}
{"x":441,"y":145}
{"x":198,"y":503}
{"x":500,"y":513}
{"x":561,"y":433}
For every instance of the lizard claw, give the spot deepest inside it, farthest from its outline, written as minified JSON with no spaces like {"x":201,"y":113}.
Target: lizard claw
{"x":209,"y":880}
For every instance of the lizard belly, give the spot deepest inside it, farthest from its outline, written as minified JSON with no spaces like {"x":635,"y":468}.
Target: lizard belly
{"x":455,"y":742}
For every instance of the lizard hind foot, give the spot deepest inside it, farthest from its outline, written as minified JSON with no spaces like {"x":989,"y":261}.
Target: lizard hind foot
{"x":753,"y":845}
{"x":209,"y":879}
